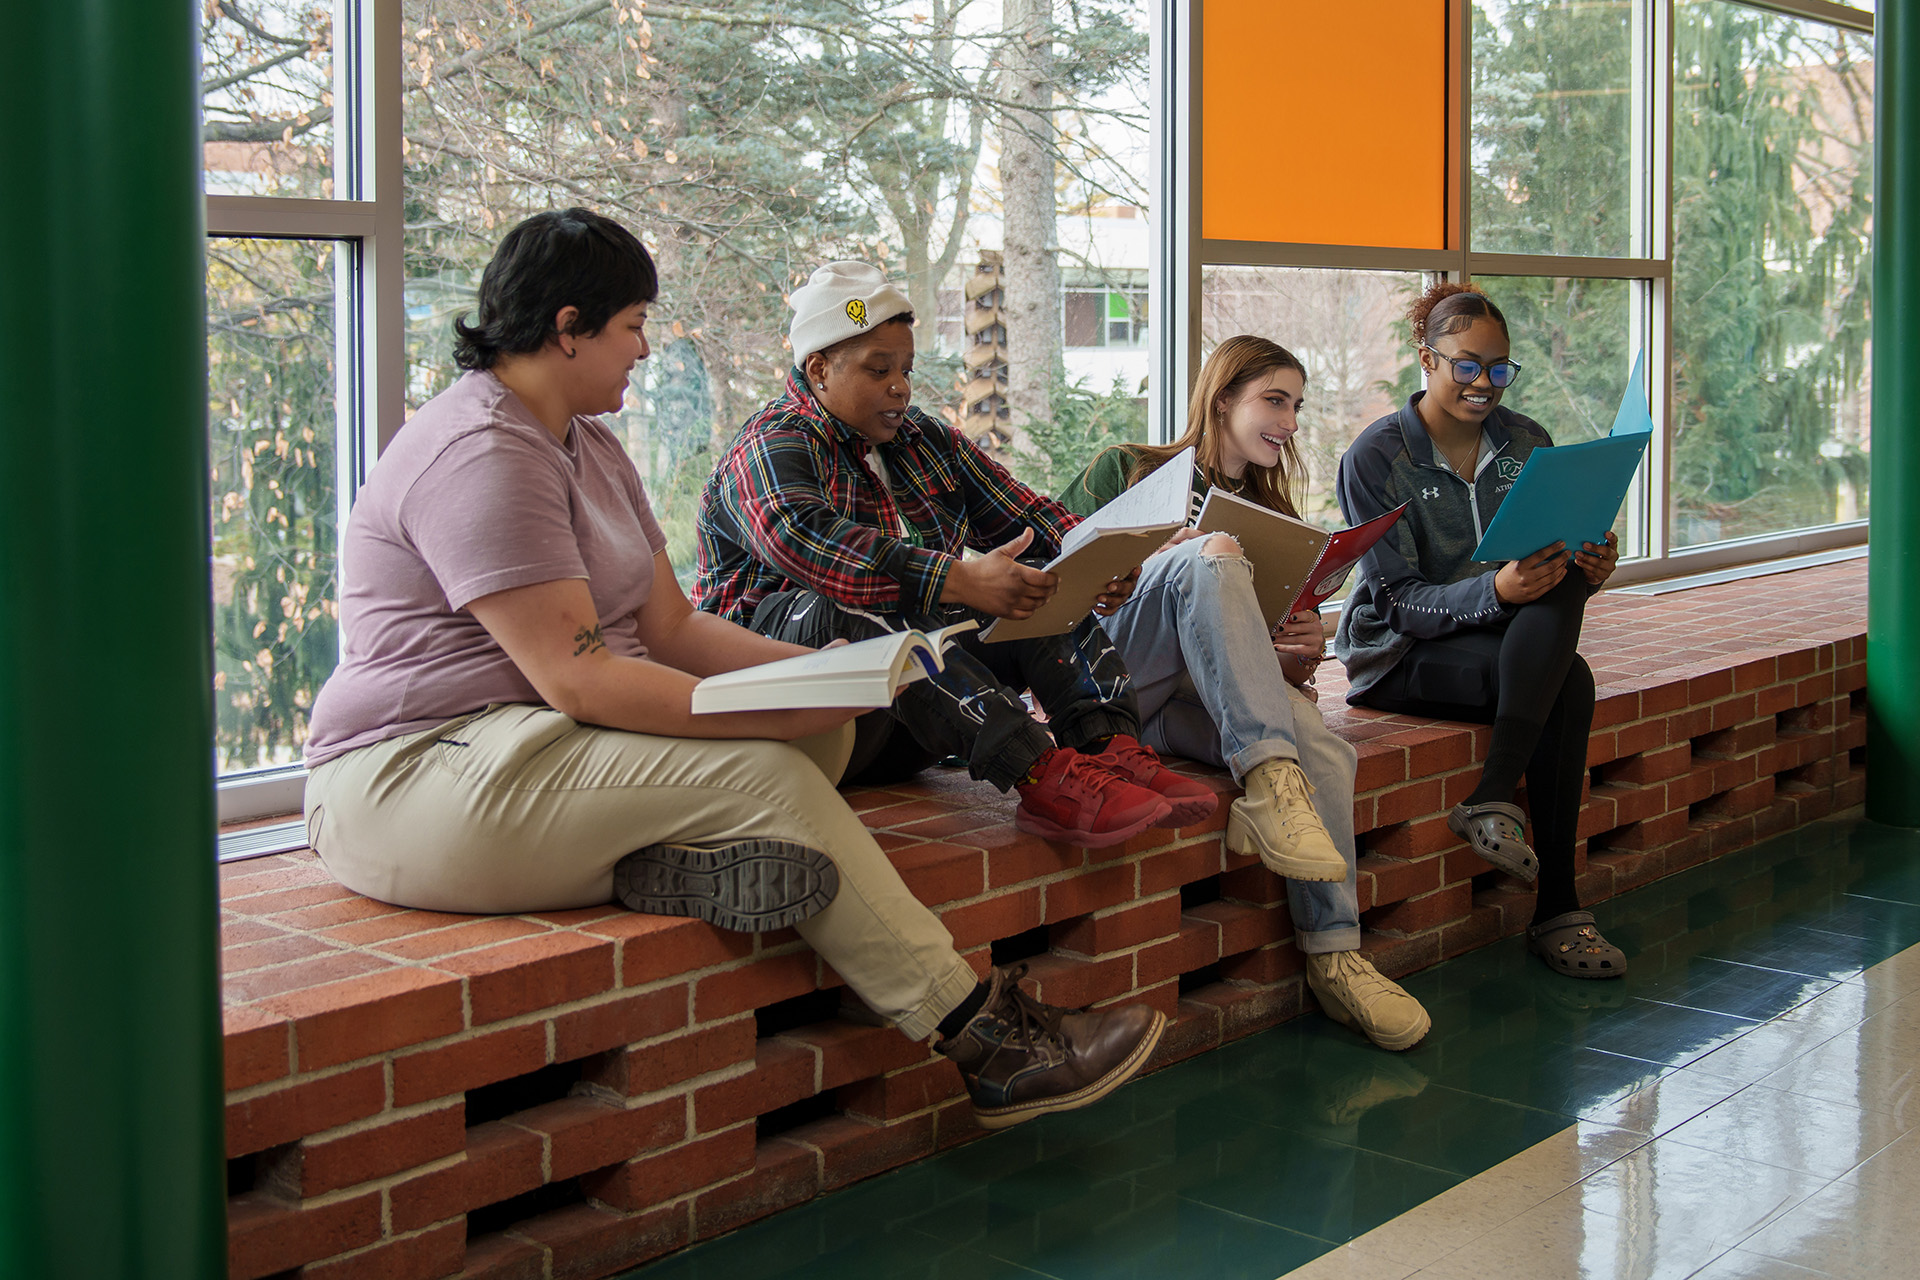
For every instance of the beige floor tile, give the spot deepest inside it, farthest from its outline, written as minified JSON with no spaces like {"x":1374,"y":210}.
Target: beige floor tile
{"x":1843,"y":1005}
{"x":1562,"y":1239}
{"x":1790,"y":1131}
{"x":1871,"y":1066}
{"x":1538,"y":1241}
{"x":1351,"y":1263}
{"x":1767,"y":1048}
{"x":1667,"y":1103}
{"x":1451,"y":1219}
{"x":1667,"y":1191}
{"x":1463,"y":1213}
{"x":1554,"y":1164}
{"x":1902,"y":1015}
{"x":1901,"y":972}
{"x":1849,"y":1231}
{"x":1738,"y":1264}
{"x":1896,"y":1164}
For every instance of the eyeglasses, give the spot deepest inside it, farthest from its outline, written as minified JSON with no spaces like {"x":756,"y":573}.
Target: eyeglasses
{"x":1501,"y":373}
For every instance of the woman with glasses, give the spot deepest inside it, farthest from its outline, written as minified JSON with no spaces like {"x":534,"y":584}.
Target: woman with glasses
{"x":1430,"y":631}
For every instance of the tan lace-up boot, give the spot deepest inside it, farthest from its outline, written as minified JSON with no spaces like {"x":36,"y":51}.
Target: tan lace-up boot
{"x":1356,"y":994}
{"x":1276,"y":821}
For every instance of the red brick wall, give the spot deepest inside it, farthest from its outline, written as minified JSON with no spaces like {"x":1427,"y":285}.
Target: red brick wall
{"x":422,"y":1095}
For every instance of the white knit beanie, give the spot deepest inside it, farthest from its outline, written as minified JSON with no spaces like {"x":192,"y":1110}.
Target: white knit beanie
{"x":838,"y":301}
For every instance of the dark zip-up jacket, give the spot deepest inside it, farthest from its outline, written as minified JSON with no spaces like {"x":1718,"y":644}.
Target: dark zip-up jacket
{"x":1421,"y":581}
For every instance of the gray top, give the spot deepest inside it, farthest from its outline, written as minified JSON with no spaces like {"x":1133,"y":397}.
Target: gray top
{"x":1420,"y":581}
{"x":475,"y":496}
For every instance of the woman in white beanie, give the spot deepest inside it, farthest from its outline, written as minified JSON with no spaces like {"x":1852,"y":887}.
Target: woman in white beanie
{"x":843,"y":511}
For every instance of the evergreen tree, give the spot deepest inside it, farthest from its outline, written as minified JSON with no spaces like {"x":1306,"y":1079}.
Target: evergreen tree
{"x":1772,"y":200}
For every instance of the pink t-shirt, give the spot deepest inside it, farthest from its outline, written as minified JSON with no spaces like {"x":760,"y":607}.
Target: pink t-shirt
{"x":474,"y":496}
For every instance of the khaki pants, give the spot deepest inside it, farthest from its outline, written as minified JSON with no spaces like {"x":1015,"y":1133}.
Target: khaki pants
{"x":518,"y":808}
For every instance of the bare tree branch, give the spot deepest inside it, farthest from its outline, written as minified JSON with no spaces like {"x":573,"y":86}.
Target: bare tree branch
{"x":263,"y":130}
{"x":228,"y":81}
{"x":231,"y":12}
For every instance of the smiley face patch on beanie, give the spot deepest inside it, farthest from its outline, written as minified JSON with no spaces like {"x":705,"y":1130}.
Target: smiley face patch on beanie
{"x":841,"y":300}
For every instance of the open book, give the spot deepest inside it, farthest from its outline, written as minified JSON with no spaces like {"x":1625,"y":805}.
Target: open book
{"x":1295,"y":565}
{"x":865,"y":674}
{"x":1572,"y":493}
{"x":1106,"y":545}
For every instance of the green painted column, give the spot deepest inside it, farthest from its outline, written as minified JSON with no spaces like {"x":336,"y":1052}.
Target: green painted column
{"x":110,"y":1096}
{"x":1893,"y":571}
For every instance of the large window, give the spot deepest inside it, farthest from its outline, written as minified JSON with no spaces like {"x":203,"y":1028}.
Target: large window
{"x":1684,"y":180}
{"x":1772,"y":181}
{"x":272,"y":416}
{"x":293,"y":170}
{"x":364,"y":157}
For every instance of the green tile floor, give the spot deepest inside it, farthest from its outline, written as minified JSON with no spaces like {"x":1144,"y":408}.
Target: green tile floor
{"x":1259,"y":1157}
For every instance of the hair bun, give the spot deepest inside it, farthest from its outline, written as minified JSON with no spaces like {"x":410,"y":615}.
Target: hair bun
{"x":1435,"y":313}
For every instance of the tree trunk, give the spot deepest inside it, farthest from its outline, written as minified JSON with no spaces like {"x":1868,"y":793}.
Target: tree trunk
{"x":1030,"y":209}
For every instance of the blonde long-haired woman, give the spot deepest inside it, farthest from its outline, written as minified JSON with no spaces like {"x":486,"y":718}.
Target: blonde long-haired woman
{"x":1214,"y":685}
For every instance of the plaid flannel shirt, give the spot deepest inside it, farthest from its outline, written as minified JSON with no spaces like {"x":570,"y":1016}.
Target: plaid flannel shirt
{"x":793,"y":503}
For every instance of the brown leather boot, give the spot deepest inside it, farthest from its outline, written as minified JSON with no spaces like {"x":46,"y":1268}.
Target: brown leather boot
{"x":1021,"y":1058}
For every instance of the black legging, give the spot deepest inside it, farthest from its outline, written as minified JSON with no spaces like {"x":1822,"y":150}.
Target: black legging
{"x":973,"y":709}
{"x":1527,"y":681}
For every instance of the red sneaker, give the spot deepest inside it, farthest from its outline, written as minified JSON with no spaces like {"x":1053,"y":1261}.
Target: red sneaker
{"x":1139,"y":764}
{"x":1075,"y":800}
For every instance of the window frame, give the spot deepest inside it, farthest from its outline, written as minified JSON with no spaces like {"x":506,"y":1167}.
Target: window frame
{"x":1649,"y":264}
{"x":367,"y":221}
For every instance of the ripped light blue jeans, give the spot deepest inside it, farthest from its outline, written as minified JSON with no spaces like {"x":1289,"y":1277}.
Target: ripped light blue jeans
{"x":1209,"y":688}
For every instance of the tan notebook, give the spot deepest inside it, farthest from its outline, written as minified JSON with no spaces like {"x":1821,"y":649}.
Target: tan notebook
{"x":1106,"y":545}
{"x":1295,"y":565}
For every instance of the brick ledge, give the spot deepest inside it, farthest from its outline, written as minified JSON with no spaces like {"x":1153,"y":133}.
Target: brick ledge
{"x":595,"y":1088}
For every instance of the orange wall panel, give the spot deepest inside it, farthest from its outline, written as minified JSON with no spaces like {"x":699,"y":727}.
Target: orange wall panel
{"x":1324,"y":123}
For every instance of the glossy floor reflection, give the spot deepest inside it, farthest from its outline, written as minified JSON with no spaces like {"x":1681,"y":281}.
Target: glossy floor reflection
{"x":1740,"y":1106}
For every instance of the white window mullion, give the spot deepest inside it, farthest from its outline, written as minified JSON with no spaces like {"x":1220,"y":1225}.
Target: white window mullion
{"x":1459,"y":217}
{"x":1658,"y":41}
{"x":384,"y":284}
{"x":1176,"y":331}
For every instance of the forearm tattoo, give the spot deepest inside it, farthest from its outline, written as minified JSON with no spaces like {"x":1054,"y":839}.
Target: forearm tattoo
{"x":587,"y":639}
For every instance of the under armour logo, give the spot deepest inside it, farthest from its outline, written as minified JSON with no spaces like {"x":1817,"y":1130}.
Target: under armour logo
{"x":1430,"y":492}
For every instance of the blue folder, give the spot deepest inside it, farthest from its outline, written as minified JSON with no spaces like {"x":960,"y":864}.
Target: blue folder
{"x":1571,"y":493}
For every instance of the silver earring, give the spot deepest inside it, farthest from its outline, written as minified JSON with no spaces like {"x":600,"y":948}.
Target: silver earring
{"x":819,"y":386}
